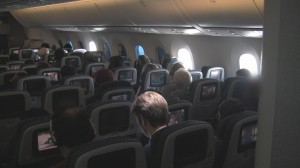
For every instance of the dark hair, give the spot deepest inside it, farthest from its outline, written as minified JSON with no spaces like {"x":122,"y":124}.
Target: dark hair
{"x":72,"y":127}
{"x":152,"y":107}
{"x":59,"y":53}
{"x":143,"y":59}
{"x":54,"y":47}
{"x":103,"y":75}
{"x":68,"y":46}
{"x":89,"y":57}
{"x":175,"y":67}
{"x":229,"y":107}
{"x":68,"y":70}
{"x":45,"y":45}
{"x":115,"y":62}
{"x":243,"y":73}
{"x":146,"y":69}
{"x":13,"y":56}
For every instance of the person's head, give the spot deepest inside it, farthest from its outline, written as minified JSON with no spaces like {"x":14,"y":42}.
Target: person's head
{"x":70,"y":128}
{"x":230,"y":107}
{"x":146,"y":69}
{"x":45,"y":45}
{"x":174,"y":68}
{"x":115,"y":62}
{"x":102,"y":76}
{"x":166,"y":59}
{"x":68,"y":70}
{"x":151,"y":111}
{"x":59,"y":54}
{"x":13,"y":56}
{"x":68,"y":47}
{"x":243,"y":73}
{"x":54,"y":47}
{"x":43,"y":52}
{"x":143,"y":59}
{"x":182,"y":79}
{"x":89,"y":57}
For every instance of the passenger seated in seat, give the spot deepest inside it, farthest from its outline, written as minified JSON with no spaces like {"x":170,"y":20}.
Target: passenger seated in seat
{"x":13,"y":57}
{"x":170,"y":85}
{"x":182,"y":80}
{"x":115,"y":62}
{"x":68,"y":70}
{"x":70,"y":128}
{"x":43,"y":63}
{"x":151,"y":111}
{"x":227,"y":109}
{"x":88,"y":58}
{"x":230,"y":107}
{"x":45,"y":45}
{"x":139,"y":64}
{"x":58,"y":55}
{"x":148,"y":67}
{"x":243,"y":73}
{"x":68,"y":47}
{"x":102,"y":76}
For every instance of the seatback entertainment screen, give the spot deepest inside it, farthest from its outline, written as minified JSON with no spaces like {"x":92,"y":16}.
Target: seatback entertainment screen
{"x":158,"y":79}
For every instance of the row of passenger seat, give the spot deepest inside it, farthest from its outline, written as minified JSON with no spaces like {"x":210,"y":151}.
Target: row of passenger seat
{"x":190,"y":143}
{"x":205,"y":94}
{"x":77,"y":88}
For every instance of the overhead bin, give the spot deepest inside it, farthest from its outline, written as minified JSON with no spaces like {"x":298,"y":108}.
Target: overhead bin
{"x":222,"y":13}
{"x":151,"y":12}
{"x":135,"y":13}
{"x":77,"y":13}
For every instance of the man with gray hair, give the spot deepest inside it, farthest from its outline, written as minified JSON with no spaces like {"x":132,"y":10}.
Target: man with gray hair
{"x":170,"y":87}
{"x":182,"y":80}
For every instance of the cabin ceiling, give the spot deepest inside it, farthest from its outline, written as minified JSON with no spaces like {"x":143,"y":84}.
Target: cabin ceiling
{"x":201,"y":17}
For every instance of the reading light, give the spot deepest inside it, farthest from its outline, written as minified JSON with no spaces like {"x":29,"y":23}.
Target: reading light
{"x":99,"y":28}
{"x":254,"y":34}
{"x":191,"y":31}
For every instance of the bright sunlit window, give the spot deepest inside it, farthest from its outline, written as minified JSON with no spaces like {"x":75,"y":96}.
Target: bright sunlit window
{"x":139,"y":50}
{"x":185,"y":57}
{"x":92,"y":46}
{"x":248,"y":61}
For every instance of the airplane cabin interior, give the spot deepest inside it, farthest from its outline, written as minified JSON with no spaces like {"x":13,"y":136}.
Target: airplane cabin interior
{"x":227,"y":69}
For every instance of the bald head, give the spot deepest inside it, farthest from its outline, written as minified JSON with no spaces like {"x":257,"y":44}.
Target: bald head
{"x":182,"y":79}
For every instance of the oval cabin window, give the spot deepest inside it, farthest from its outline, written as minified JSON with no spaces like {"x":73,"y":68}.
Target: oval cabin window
{"x":92,"y":46}
{"x":248,"y":61}
{"x":122,"y":50}
{"x":106,"y":50}
{"x":186,"y":58}
{"x":160,"y":53}
{"x":139,"y":50}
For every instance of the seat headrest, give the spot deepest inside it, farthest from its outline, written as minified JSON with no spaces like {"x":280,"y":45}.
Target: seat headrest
{"x":83,"y":81}
{"x":113,"y":152}
{"x":58,"y":97}
{"x":14,"y":103}
{"x":189,"y":141}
